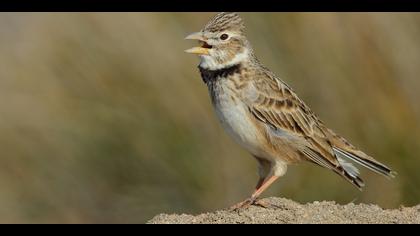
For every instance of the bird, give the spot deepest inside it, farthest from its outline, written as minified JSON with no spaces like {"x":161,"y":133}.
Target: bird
{"x":264,"y":114}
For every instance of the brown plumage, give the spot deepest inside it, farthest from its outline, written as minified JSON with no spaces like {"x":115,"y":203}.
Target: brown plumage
{"x":264,"y":115}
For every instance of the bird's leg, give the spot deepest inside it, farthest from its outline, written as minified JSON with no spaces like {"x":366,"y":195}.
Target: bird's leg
{"x":260,"y":183}
{"x":253,"y":199}
{"x":264,"y":168}
{"x":264,"y":186}
{"x":260,"y":190}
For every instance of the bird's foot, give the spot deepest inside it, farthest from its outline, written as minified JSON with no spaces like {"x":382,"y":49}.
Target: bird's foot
{"x":248,"y":202}
{"x":262,"y":203}
{"x":242,"y":205}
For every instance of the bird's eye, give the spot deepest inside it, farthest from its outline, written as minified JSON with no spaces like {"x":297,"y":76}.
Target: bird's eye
{"x":224,"y":36}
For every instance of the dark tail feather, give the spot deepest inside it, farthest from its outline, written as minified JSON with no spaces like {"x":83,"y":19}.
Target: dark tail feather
{"x":372,"y":165}
{"x":346,"y":170}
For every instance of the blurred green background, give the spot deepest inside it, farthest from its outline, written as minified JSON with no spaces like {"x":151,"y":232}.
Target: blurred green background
{"x":104,"y":118}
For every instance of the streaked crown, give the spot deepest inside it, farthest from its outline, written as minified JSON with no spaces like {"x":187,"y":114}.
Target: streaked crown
{"x":225,"y":21}
{"x":222,"y":42}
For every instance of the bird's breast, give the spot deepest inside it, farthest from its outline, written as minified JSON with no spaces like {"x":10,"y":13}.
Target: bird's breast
{"x":235,"y":116}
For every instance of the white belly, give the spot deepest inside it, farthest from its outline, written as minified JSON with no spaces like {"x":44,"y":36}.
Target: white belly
{"x":235,"y":119}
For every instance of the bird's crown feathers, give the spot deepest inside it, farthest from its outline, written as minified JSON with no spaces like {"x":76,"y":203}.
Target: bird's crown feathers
{"x":225,"y":21}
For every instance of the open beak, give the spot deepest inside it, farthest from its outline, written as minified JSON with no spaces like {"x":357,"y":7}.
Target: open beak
{"x":201,"y":50}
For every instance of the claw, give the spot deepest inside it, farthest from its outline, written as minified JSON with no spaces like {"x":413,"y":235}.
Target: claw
{"x":251,"y":202}
{"x":243,"y":205}
{"x":262,"y":203}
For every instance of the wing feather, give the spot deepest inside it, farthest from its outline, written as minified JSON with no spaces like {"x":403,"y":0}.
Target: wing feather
{"x":275,"y":104}
{"x":279,"y":107}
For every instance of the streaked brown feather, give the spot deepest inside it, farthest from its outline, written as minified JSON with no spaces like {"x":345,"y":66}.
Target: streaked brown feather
{"x":278,"y":106}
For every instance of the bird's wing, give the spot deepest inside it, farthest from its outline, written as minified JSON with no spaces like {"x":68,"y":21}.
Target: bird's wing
{"x":276,"y":105}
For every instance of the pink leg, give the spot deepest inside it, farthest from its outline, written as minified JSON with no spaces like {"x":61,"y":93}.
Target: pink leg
{"x":260,"y":189}
{"x":259,"y":184}
{"x":264,"y":186}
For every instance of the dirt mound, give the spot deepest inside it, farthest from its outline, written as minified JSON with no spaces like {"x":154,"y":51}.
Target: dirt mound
{"x":287,"y":211}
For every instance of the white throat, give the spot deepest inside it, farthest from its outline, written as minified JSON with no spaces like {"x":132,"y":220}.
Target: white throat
{"x":208,"y":61}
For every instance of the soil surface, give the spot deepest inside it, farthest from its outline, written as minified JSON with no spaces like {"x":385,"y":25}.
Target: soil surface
{"x":284,"y":211}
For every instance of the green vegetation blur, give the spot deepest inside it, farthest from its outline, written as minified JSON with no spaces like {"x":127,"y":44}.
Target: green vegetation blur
{"x":105,"y":119}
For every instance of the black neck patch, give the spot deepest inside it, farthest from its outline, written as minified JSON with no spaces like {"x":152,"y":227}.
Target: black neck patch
{"x":212,"y":75}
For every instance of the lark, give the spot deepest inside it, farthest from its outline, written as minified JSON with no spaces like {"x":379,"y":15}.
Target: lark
{"x":264,"y":115}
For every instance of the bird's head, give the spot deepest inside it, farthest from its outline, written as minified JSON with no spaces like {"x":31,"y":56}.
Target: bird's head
{"x":222,"y":42}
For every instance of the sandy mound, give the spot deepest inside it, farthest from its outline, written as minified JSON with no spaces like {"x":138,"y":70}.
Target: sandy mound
{"x":287,"y":211}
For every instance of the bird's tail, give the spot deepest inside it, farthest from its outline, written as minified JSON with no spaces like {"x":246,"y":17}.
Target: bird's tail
{"x":363,"y":160}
